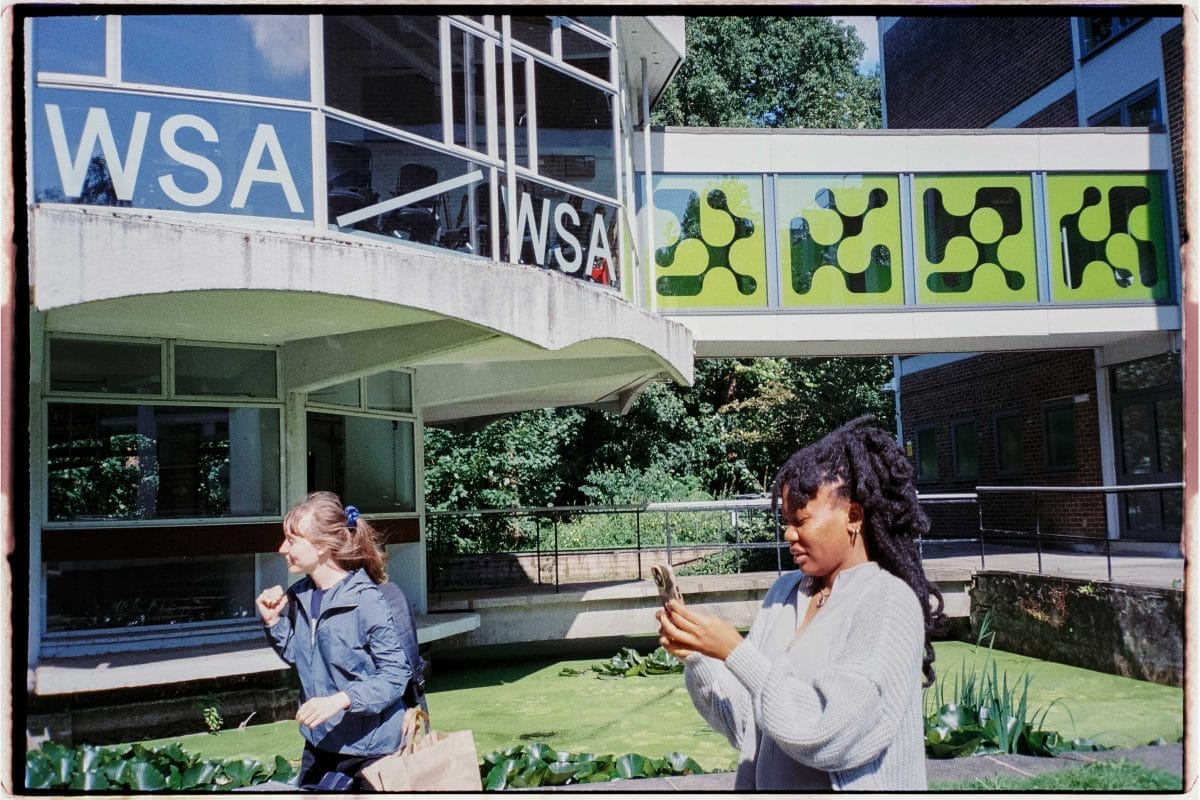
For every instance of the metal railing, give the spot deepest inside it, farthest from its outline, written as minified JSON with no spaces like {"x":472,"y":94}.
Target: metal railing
{"x":746,"y":526}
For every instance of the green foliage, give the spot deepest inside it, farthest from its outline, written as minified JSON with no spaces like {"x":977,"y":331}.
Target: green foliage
{"x":776,"y":72}
{"x":141,"y":769}
{"x":629,"y":663}
{"x":210,"y":710}
{"x":980,"y":714}
{"x":1120,"y":775}
{"x":528,"y":766}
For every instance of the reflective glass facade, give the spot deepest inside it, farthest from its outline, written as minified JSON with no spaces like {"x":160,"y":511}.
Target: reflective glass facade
{"x":437,"y":130}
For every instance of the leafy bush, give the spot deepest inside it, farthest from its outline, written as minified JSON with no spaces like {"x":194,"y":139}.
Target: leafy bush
{"x":1121,"y":776}
{"x":140,"y":769}
{"x":527,"y":766}
{"x":629,"y":663}
{"x":983,"y":715}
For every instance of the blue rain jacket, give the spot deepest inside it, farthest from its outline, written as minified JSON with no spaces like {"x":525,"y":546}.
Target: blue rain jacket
{"x":352,"y":647}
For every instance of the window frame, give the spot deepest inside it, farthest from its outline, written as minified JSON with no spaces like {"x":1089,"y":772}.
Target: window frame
{"x":1122,"y":107}
{"x":1087,"y":48}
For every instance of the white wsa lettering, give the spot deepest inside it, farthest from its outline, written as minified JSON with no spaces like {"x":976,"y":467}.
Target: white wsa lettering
{"x":73,"y":171}
{"x":265,"y":138}
{"x":166,"y":136}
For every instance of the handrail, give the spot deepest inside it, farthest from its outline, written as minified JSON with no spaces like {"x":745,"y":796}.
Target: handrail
{"x":1125,"y":487}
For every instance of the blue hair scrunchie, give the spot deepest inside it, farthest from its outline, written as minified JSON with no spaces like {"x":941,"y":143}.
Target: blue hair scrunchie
{"x":351,"y":517}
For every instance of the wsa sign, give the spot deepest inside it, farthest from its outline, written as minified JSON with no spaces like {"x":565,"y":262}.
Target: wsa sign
{"x":101,"y":148}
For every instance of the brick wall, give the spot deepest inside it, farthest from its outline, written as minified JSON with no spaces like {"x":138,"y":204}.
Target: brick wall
{"x":972,"y":76}
{"x":1173,"y":66}
{"x":1061,"y":113}
{"x":981,"y":386}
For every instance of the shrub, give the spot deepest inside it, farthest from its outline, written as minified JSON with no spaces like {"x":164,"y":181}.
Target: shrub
{"x":140,"y":769}
{"x":527,"y":766}
{"x":629,"y":662}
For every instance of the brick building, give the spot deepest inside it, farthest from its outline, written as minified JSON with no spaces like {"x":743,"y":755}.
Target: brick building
{"x":1100,"y":416}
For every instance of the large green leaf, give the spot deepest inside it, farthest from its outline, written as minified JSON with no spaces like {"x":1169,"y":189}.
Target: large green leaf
{"x":498,"y":776}
{"x":560,"y":772}
{"x":283,"y":771}
{"x":145,"y":777}
{"x":39,"y":773}
{"x":90,"y":781}
{"x":541,"y":752}
{"x":631,"y":765}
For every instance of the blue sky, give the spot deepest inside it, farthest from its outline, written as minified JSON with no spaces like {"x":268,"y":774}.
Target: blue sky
{"x":869,"y":33}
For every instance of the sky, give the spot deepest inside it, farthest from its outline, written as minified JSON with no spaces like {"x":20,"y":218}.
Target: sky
{"x":869,"y":33}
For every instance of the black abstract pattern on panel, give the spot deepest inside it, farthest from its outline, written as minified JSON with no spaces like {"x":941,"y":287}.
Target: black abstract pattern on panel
{"x":1081,"y":251}
{"x":942,"y":226}
{"x":808,"y":255}
{"x":689,"y":228}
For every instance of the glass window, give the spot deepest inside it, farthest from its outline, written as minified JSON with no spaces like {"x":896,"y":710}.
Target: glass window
{"x":258,"y":54}
{"x":117,"y":149}
{"x":564,"y":231}
{"x":229,"y":371}
{"x":368,"y":461}
{"x":1096,"y":31}
{"x":586,"y":53}
{"x":368,"y":169}
{"x":1059,"y":425}
{"x":532,"y":31}
{"x":73,"y":45}
{"x":390,"y":391}
{"x":966,"y":449}
{"x":86,"y":595}
{"x":599,"y":24}
{"x":470,"y":90}
{"x":574,"y":130}
{"x":387,"y":69}
{"x":102,"y":366}
{"x":1139,"y":109}
{"x":1168,"y":415}
{"x":161,"y":462}
{"x":340,"y":394}
{"x":1008,"y":443}
{"x":1149,"y":373}
{"x":927,"y":455}
{"x":520,"y":104}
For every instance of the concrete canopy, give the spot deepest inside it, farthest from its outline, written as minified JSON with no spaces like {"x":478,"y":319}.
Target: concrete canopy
{"x":485,"y":338}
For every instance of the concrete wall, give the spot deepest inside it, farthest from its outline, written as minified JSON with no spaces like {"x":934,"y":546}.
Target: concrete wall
{"x":1133,"y":631}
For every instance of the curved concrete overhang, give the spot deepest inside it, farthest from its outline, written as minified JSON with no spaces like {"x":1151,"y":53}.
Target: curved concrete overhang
{"x":486,"y":338}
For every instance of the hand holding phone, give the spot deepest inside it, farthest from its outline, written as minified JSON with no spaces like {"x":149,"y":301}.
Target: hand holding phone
{"x":664,"y":580}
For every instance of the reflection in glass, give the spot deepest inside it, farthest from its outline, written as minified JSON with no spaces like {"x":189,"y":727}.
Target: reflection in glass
{"x":1008,"y":443}
{"x":77,"y":365}
{"x":565,"y":232}
{"x":1059,"y":424}
{"x":82,"y":595}
{"x":73,"y":45}
{"x":258,"y":54}
{"x":390,"y":391}
{"x":387,"y":69}
{"x":158,"y":152}
{"x":340,"y":394}
{"x":585,"y":53}
{"x":966,"y":455}
{"x":600,"y":24}
{"x":1137,"y":439}
{"x":927,"y":457}
{"x":532,"y":31}
{"x":368,"y":169}
{"x":1148,"y":373}
{"x":228,"y":371}
{"x":1169,"y":416}
{"x":367,"y":461}
{"x":470,"y":91}
{"x":161,"y":462}
{"x":574,"y":130}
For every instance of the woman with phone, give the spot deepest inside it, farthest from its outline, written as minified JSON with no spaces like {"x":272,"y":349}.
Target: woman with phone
{"x":825,"y":692}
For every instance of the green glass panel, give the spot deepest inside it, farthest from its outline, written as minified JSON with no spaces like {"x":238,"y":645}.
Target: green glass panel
{"x":709,"y":245}
{"x":975,"y":242}
{"x":1107,"y":238}
{"x":839,"y":240}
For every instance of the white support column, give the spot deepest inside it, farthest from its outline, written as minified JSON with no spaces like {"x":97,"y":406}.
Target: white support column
{"x":36,"y":465}
{"x":1108,"y":450}
{"x":648,"y":207}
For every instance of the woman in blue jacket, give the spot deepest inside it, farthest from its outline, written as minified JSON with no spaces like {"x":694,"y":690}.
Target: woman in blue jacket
{"x":336,"y":628}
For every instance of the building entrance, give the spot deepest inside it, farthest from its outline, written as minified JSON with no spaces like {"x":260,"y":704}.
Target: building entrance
{"x":1148,"y":420}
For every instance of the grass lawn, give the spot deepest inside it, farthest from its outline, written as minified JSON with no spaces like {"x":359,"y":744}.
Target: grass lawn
{"x":1100,"y":776}
{"x":505,"y":704}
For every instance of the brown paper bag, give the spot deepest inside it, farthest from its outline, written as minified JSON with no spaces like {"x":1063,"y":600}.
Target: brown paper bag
{"x":430,"y":761}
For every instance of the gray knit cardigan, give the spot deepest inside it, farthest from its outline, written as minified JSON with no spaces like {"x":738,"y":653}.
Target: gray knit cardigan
{"x":836,"y":705}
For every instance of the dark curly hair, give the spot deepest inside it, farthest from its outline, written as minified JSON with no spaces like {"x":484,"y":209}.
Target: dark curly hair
{"x":867,"y":467}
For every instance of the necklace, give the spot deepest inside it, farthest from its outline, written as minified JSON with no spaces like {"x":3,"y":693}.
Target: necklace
{"x":823,"y":595}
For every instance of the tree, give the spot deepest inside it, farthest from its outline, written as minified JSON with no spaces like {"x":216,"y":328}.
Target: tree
{"x":774,"y":72}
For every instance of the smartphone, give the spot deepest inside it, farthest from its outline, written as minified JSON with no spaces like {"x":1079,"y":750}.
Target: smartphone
{"x":664,"y":579}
